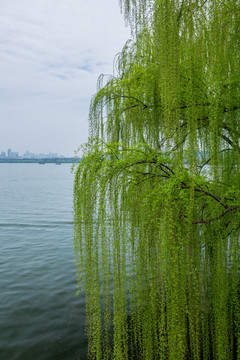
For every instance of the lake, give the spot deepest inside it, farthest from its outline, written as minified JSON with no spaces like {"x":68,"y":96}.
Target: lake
{"x":41,"y":317}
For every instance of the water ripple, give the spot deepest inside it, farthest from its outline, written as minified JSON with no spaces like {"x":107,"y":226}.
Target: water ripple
{"x":44,"y":224}
{"x":40,"y":316}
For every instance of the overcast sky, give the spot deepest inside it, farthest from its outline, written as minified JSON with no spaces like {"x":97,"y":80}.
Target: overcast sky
{"x":51,"y":54}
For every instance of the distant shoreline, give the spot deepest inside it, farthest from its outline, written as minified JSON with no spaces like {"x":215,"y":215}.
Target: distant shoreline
{"x":41,"y":161}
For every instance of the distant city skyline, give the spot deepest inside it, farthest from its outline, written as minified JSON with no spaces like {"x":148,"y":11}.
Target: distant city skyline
{"x":9,"y":154}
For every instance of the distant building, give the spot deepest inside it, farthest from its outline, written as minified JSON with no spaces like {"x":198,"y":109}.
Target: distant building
{"x":15,"y":155}
{"x":27,"y":155}
{"x":9,"y":153}
{"x":51,"y":155}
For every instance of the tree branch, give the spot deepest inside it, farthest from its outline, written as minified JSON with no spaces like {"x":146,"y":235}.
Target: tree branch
{"x":201,"y":221}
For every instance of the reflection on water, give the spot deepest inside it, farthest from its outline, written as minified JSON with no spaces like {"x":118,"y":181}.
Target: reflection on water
{"x":40,"y":315}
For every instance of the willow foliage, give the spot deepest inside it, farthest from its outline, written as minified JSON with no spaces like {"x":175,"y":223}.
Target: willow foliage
{"x":157,"y":193}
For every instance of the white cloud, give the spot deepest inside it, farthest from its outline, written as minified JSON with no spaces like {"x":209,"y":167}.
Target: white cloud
{"x":51,"y":53}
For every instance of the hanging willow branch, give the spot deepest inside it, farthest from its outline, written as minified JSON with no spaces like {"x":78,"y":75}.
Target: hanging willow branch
{"x":157,"y":192}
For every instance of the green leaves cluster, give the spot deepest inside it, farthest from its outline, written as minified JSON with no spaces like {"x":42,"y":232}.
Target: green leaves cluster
{"x":156,"y":195}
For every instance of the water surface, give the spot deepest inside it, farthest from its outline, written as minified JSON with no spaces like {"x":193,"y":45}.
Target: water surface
{"x":40,"y":316}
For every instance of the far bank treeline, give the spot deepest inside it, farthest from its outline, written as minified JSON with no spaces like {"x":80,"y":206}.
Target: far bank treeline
{"x":58,"y":160}
{"x":157,"y":193}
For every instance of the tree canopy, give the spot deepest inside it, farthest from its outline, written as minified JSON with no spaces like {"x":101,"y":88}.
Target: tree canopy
{"x":157,"y":193}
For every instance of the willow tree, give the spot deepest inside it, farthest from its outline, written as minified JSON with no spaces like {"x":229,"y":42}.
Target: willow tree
{"x":157,"y":193}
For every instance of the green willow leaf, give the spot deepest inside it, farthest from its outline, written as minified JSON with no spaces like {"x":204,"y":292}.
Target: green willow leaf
{"x":157,"y":192}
